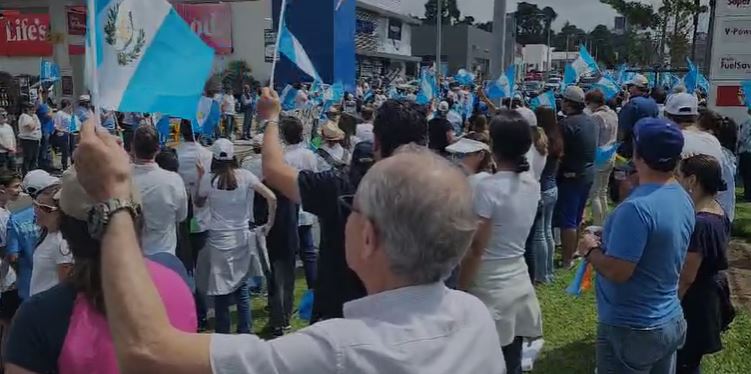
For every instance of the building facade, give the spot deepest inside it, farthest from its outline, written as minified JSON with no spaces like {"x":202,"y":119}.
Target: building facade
{"x":383,"y":40}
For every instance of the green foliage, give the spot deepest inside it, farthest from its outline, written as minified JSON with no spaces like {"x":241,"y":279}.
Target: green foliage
{"x":450,"y":14}
{"x":235,"y":75}
{"x":533,"y":23}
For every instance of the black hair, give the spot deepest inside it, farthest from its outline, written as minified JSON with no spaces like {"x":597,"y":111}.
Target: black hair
{"x":727,"y":134}
{"x":224,"y":172}
{"x":511,"y":138}
{"x":8,"y":177}
{"x":367,"y":113}
{"x":291,"y":129}
{"x":167,"y":160}
{"x":64,"y":103}
{"x":186,"y":130}
{"x":348,"y":124}
{"x":708,"y":172}
{"x":145,"y":142}
{"x":398,"y":123}
{"x":660,"y":95}
{"x":578,"y":108}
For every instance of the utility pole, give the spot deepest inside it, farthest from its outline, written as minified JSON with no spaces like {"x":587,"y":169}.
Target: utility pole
{"x":697,"y":5}
{"x":498,"y":51}
{"x":439,"y":38}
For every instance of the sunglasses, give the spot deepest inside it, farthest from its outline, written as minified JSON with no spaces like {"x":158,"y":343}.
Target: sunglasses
{"x":44,"y":207}
{"x":347,"y":202}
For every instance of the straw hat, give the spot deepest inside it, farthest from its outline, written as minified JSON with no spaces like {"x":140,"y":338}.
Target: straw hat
{"x":331,"y":131}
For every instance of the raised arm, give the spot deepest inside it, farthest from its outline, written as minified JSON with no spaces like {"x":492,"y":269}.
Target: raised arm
{"x":276,"y":172}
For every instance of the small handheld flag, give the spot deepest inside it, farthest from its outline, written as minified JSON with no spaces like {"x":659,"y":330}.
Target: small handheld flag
{"x":582,"y":280}
{"x":503,"y":86}
{"x":546,"y":98}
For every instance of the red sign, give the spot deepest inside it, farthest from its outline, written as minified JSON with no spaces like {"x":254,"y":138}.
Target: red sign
{"x":76,"y":20}
{"x":729,"y":96}
{"x":212,"y":22}
{"x":25,"y":35}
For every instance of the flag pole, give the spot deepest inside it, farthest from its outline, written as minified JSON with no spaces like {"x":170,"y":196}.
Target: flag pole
{"x":92,"y":58}
{"x":282,"y":12}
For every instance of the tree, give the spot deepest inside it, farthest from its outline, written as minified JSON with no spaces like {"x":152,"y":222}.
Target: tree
{"x":601,"y":45}
{"x":569,"y":38}
{"x":450,"y":14}
{"x":636,"y":13}
{"x":530,"y":24}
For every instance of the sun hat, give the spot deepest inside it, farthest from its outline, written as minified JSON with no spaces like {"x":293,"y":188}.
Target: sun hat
{"x":331,"y":131}
{"x":466,"y":146}
{"x":575,"y":94}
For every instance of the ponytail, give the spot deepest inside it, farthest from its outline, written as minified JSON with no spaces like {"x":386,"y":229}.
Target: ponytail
{"x":522,"y":165}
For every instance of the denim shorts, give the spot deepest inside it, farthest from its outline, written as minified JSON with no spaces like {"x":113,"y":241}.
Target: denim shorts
{"x":572,"y":198}
{"x":624,"y":350}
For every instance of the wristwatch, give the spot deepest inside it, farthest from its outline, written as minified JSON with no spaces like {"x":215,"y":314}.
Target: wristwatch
{"x":100,"y":214}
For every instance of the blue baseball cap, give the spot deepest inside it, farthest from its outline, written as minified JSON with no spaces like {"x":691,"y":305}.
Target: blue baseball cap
{"x":658,"y":141}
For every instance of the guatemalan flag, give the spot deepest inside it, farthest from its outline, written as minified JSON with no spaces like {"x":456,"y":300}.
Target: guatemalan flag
{"x":147,"y":58}
{"x":290,"y":47}
{"x":503,"y":86}
{"x":585,"y":63}
{"x":428,"y":88}
{"x":546,"y":98}
{"x":608,"y":87}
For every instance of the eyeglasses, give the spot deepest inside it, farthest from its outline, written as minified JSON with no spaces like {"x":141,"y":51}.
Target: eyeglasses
{"x":44,"y":207}
{"x":348,"y":202}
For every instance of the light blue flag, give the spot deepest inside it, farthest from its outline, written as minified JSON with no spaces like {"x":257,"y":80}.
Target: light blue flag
{"x":585,"y":63}
{"x":334,"y":93}
{"x":368,"y":95}
{"x":464,"y":77}
{"x":290,"y":47}
{"x":691,"y":80}
{"x":163,"y":128}
{"x":569,"y":75}
{"x":75,"y":124}
{"x":469,"y":106}
{"x":204,"y":115}
{"x":394,"y":93}
{"x":621,"y":74}
{"x":546,"y":98}
{"x":428,"y":88}
{"x":608,"y":87}
{"x":503,"y":86}
{"x":49,"y":71}
{"x":746,"y":89}
{"x":675,"y":80}
{"x":288,"y":96}
{"x":142,"y":50}
{"x":703,"y":82}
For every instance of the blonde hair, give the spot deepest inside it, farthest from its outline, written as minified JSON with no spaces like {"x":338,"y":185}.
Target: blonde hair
{"x":540,"y":140}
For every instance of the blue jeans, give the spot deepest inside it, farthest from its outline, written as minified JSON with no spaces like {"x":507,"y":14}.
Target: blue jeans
{"x":248,"y":122}
{"x":221,"y":307}
{"x":543,"y":244}
{"x":622,"y":350}
{"x":307,"y":254}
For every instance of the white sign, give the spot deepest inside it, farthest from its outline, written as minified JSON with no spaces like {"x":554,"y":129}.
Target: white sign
{"x":733,"y":8}
{"x":732,"y":66}
{"x":735,"y":31}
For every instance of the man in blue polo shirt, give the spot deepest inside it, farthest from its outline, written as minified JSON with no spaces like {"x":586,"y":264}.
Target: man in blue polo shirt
{"x":23,"y":232}
{"x":639,"y":260}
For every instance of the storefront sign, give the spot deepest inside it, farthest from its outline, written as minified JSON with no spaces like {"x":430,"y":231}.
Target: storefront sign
{"x":212,"y":22}
{"x":269,"y":44}
{"x":733,"y":66}
{"x":736,"y":31}
{"x":733,"y":8}
{"x":76,"y":20}
{"x":25,"y":35}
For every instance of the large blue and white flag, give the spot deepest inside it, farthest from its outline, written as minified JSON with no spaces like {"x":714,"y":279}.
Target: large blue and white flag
{"x":290,"y":47}
{"x":585,"y":63}
{"x":428,"y":88}
{"x":608,"y":87}
{"x":746,"y":91}
{"x":147,"y":58}
{"x":546,"y":98}
{"x":464,"y":77}
{"x":503,"y":86}
{"x":569,"y":75}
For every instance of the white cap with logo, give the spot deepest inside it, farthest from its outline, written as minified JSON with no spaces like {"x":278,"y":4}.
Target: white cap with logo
{"x":682,"y":104}
{"x":223,"y":150}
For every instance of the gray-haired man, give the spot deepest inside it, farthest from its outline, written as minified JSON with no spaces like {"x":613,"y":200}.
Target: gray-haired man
{"x":410,"y":224}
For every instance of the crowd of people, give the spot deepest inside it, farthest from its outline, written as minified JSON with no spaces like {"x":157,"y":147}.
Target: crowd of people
{"x":423,"y":232}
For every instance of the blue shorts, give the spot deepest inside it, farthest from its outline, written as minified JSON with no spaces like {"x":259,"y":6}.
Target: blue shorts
{"x":572,"y":198}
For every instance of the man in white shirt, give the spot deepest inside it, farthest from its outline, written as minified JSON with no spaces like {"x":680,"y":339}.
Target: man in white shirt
{"x":364,"y":132}
{"x":411,"y":221}
{"x":165,"y":200}
{"x":7,"y":143}
{"x":228,"y":113}
{"x":61,"y":137}
{"x":29,"y":135}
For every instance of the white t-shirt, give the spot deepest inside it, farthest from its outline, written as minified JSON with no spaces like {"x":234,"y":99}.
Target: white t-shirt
{"x":4,"y":217}
{"x":509,"y":200}
{"x":165,"y":203}
{"x":230,"y":210}
{"x":188,"y":155}
{"x":52,"y":251}
{"x":364,"y":132}
{"x":29,"y":127}
{"x":62,"y":121}
{"x":701,"y":143}
{"x":228,"y":104}
{"x":536,"y":161}
{"x":7,"y":138}
{"x":7,"y":275}
{"x":475,"y":179}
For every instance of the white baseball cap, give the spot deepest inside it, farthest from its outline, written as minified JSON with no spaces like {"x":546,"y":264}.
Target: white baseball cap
{"x":84,"y":98}
{"x":37,"y":181}
{"x":223,"y":150}
{"x":639,"y":80}
{"x":528,"y":115}
{"x":443,"y":106}
{"x":682,"y":104}
{"x":466,"y":146}
{"x":574,"y":93}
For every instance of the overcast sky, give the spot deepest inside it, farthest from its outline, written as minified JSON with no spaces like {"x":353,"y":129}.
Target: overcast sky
{"x":584,"y":13}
